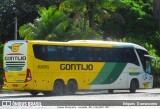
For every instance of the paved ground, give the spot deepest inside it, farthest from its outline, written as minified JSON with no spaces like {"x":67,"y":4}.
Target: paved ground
{"x":85,"y":100}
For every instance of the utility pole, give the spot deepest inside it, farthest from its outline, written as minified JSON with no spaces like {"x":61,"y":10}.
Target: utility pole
{"x":15,"y":31}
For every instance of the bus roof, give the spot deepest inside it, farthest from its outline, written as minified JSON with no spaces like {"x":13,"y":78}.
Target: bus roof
{"x":98,"y":43}
{"x":113,"y":43}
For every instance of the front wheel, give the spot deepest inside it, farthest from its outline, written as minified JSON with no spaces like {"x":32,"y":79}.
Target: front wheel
{"x":58,"y":88}
{"x":133,"y":86}
{"x":110,"y":90}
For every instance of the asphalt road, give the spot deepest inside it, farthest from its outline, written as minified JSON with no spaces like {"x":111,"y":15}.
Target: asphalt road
{"x":84,"y":100}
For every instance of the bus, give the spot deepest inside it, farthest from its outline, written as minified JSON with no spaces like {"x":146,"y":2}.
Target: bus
{"x":58,"y":68}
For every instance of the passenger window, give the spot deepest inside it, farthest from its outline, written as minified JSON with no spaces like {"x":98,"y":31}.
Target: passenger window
{"x":97,"y":54}
{"x":40,"y":52}
{"x":85,"y":54}
{"x":54,"y":53}
{"x":120,"y":55}
{"x":69,"y":53}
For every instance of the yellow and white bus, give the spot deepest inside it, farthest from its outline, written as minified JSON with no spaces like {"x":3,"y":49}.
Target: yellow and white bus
{"x":65,"y":67}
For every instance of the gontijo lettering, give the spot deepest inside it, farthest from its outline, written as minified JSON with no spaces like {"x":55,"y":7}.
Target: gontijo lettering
{"x":76,"y":67}
{"x":15,"y":58}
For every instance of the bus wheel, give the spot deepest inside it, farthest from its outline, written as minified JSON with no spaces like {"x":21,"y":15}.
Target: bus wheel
{"x":71,"y":87}
{"x":110,"y":90}
{"x":34,"y":93}
{"x":58,"y":88}
{"x":133,"y":86}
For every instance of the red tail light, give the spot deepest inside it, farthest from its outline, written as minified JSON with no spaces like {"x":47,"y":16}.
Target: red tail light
{"x":4,"y":77}
{"x":28,"y":76}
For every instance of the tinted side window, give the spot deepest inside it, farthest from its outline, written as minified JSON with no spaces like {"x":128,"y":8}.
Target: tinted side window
{"x":120,"y":55}
{"x":85,"y":54}
{"x":115,"y":55}
{"x":90,"y":54}
{"x":54,"y":53}
{"x":141,"y":54}
{"x":69,"y":53}
{"x":97,"y":54}
{"x":131,"y":56}
{"x":40,"y":52}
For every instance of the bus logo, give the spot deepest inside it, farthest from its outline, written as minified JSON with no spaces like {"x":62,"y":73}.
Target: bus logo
{"x":15,"y":47}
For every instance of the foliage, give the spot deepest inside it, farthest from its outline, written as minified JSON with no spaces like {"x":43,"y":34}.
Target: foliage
{"x":49,"y":25}
{"x":92,"y":10}
{"x":25,"y":11}
{"x":9,"y":9}
{"x":77,"y":32}
{"x":139,"y":19}
{"x":155,"y":39}
{"x":54,"y":25}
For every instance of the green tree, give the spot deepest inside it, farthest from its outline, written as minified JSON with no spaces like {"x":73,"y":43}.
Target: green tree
{"x":156,"y":6}
{"x":25,"y":11}
{"x":139,"y":20}
{"x":77,"y":32}
{"x":99,"y":13}
{"x":92,"y":10}
{"x":50,"y":25}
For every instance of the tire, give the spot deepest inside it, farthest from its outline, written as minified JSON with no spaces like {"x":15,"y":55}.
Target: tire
{"x":71,"y":88}
{"x":133,"y":86}
{"x":110,"y":90}
{"x":58,"y":88}
{"x":34,"y":93}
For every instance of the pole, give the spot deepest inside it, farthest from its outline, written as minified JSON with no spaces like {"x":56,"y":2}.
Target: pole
{"x":15,"y":31}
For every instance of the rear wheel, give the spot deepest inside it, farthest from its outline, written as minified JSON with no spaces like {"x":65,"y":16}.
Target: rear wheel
{"x":133,"y":86}
{"x":58,"y":88}
{"x":71,"y":87}
{"x":34,"y":93}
